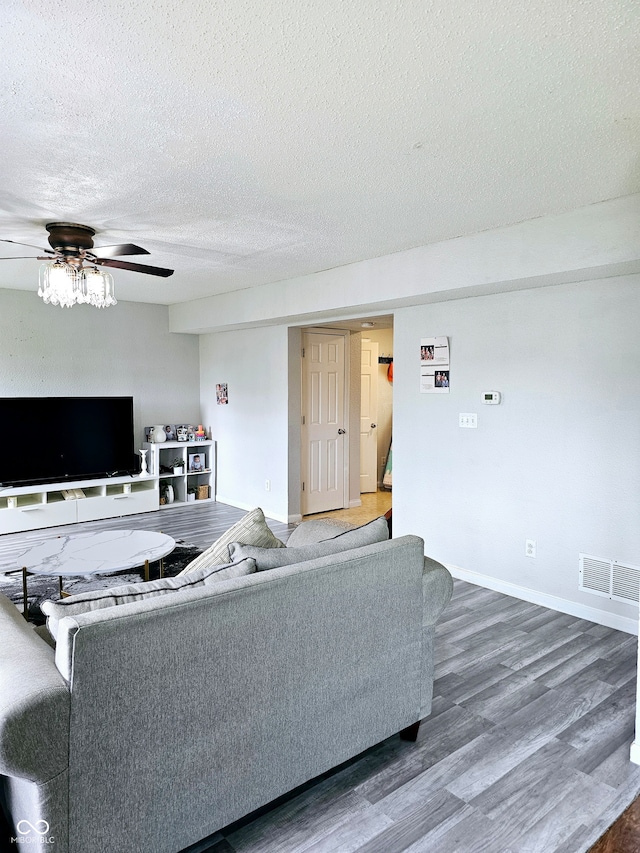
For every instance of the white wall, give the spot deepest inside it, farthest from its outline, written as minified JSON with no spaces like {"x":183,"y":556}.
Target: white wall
{"x":126,"y":350}
{"x":252,"y":430}
{"x":557,"y":462}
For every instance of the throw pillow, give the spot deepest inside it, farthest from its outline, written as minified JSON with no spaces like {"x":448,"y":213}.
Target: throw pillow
{"x":271,"y":558}
{"x":316,"y":530}
{"x":252,"y":529}
{"x":127,"y":593}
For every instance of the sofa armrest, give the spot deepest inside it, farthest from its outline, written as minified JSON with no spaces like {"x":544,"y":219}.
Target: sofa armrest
{"x":437,"y":588}
{"x":34,"y":702}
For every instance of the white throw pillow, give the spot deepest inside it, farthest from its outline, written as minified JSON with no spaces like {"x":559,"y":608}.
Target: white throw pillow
{"x":252,"y":529}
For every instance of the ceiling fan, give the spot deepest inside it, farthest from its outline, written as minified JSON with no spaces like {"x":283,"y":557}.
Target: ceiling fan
{"x":65,"y":280}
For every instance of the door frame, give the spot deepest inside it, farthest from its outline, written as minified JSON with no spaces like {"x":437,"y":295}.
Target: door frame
{"x":374,"y":344}
{"x":346,"y":334}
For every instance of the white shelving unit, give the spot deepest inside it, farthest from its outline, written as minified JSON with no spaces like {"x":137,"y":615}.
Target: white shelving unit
{"x":45,"y":505}
{"x":160,"y":461}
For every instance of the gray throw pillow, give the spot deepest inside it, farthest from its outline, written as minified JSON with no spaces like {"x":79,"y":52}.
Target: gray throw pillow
{"x":272,"y":558}
{"x":127,"y":593}
{"x":316,"y":530}
{"x":252,"y":529}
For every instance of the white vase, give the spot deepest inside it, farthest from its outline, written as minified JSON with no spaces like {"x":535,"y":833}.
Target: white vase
{"x":169,"y":495}
{"x":157,"y":434}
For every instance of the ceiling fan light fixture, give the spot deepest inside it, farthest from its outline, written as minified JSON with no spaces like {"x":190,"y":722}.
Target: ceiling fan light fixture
{"x":97,"y":288}
{"x":60,"y":284}
{"x":64,"y":279}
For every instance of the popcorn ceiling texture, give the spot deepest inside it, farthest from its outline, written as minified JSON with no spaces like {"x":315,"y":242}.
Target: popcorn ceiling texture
{"x":244,"y":143}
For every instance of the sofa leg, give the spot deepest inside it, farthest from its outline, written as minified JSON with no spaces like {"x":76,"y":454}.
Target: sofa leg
{"x":410,"y":733}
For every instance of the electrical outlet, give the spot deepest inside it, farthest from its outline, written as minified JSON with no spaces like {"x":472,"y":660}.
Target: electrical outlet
{"x":267,"y":485}
{"x":530,"y":547}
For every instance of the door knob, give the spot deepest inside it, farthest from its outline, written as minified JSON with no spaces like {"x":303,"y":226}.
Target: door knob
{"x":341,"y":431}
{"x":373,"y":426}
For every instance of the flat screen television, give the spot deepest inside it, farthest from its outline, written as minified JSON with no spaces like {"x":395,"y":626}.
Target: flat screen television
{"x":66,"y":438}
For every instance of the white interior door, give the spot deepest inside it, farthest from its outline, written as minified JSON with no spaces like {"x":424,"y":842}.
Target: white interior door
{"x":323,"y":422}
{"x":369,"y":417}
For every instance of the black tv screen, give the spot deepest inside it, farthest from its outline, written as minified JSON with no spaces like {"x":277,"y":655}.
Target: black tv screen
{"x":67,"y":438}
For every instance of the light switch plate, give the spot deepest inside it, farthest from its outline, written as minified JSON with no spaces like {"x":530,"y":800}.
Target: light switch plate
{"x":468,"y":420}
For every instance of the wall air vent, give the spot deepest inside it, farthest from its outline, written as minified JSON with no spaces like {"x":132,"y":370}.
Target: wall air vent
{"x":609,"y":578}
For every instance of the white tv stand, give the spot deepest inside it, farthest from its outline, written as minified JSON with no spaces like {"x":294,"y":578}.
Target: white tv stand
{"x":44,"y":505}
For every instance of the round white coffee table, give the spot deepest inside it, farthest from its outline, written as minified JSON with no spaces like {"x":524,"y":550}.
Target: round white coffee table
{"x":88,"y":554}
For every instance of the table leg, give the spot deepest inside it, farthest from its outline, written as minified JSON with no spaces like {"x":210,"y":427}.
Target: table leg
{"x":146,"y":570}
{"x":25,"y":608}
{"x":162,"y":567}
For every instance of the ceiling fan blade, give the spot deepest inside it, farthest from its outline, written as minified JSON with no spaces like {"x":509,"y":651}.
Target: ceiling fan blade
{"x":122,"y":249}
{"x":23,"y":258}
{"x":30,"y":245}
{"x":126,"y":265}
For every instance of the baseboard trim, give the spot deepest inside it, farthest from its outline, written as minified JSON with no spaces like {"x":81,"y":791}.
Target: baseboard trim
{"x":355,"y":503}
{"x":239,"y":505}
{"x":634,"y":752}
{"x":553,"y":602}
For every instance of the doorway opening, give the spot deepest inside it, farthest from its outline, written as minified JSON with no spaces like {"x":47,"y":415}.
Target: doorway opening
{"x":357,"y":438}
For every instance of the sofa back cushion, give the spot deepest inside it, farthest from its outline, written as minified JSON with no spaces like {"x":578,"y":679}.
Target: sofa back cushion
{"x":272,"y":558}
{"x":128,"y":593}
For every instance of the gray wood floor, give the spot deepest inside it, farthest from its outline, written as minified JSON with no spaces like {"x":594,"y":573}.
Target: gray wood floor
{"x":526,"y":750}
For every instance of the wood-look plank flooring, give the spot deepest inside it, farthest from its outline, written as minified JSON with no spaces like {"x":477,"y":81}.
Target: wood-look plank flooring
{"x":624,"y":835}
{"x":526,"y":749}
{"x":374,"y":504}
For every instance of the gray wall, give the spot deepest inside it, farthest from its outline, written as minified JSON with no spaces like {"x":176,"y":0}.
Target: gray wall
{"x":82,"y":351}
{"x":252,"y":430}
{"x":557,"y":462}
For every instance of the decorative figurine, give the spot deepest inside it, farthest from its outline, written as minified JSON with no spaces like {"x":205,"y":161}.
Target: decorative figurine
{"x":143,"y":463}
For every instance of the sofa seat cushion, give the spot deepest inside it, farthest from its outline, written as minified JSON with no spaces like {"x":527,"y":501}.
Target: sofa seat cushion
{"x":128,"y":593}
{"x":317,"y":530}
{"x":252,"y":529}
{"x":272,"y":558}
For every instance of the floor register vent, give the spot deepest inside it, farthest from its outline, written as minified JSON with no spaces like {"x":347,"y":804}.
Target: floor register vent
{"x":609,"y":578}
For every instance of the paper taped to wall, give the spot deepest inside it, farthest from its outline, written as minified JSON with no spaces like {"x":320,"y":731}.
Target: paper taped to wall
{"x":434,"y":365}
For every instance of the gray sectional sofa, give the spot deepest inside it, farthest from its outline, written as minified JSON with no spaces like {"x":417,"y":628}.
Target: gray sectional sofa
{"x":154,"y":723}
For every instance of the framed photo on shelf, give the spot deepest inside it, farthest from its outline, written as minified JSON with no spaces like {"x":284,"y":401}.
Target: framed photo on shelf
{"x":170,"y":432}
{"x":197,"y":463}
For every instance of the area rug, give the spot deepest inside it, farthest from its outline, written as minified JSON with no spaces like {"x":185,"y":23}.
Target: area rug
{"x":41,"y":588}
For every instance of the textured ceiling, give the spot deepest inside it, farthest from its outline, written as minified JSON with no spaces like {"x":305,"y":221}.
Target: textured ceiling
{"x":245,"y":143}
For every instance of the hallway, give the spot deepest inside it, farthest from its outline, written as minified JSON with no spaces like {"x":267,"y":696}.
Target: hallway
{"x":374,"y":504}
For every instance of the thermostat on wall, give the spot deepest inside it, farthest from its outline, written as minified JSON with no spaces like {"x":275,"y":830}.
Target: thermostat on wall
{"x":492,"y":398}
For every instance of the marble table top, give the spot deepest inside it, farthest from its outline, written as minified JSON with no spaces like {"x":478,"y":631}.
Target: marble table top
{"x":95,"y":553}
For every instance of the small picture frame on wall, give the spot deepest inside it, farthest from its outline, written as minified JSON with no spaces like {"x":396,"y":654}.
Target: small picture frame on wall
{"x":222,"y":394}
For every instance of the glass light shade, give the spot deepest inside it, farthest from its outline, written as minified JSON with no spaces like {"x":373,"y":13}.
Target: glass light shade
{"x":97,"y":288}
{"x":60,"y":284}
